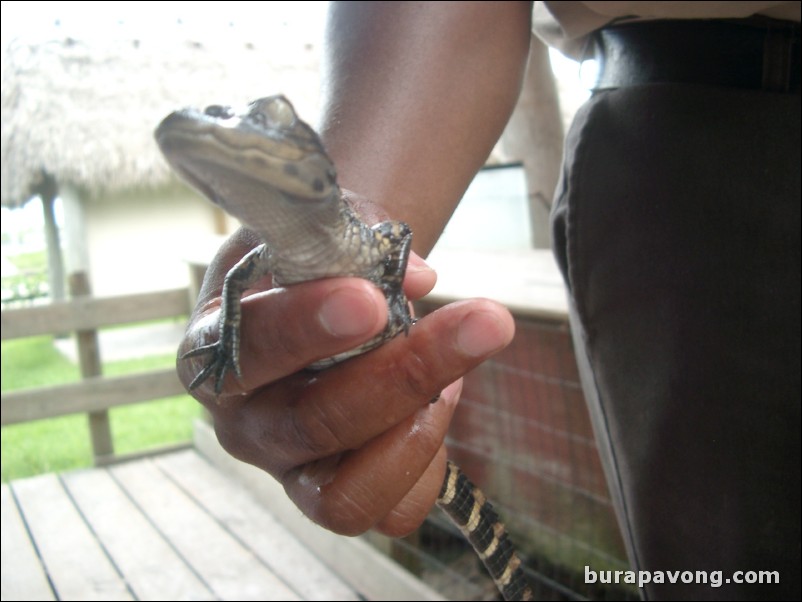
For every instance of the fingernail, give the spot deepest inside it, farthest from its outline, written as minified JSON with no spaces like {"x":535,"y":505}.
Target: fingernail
{"x":450,"y":395}
{"x":481,"y":333}
{"x":347,"y":312}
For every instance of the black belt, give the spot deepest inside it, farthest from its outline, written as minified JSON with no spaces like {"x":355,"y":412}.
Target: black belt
{"x":762,"y":54}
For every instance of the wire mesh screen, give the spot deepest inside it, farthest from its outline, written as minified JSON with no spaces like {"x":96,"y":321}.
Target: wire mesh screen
{"x":522,"y":433}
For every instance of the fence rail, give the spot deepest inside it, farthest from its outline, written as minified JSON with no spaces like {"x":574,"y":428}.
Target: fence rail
{"x":94,"y":394}
{"x":89,"y":313}
{"x":90,"y":395}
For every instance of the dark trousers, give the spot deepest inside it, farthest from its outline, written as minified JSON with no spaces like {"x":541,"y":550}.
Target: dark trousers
{"x":677,"y":228}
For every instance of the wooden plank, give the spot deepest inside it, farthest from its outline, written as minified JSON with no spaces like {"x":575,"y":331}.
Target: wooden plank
{"x":152,"y":568}
{"x":89,"y":313}
{"x":77,"y":564}
{"x":141,"y":454}
{"x":369,"y":572}
{"x":90,"y":395}
{"x":249,"y":521}
{"x":231,"y":571}
{"x":24,"y":577}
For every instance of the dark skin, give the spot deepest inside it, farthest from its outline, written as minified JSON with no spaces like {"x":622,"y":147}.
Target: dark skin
{"x":415,"y":96}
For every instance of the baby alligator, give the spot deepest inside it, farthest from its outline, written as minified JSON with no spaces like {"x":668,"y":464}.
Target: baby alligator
{"x":268,"y":168}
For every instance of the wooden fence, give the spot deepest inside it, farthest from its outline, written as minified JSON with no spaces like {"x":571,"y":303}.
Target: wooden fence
{"x":94,"y":394}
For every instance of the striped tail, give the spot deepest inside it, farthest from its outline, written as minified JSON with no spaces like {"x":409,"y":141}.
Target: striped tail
{"x":468,"y":508}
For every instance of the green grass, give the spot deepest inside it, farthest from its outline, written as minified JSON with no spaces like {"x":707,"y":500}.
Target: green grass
{"x":33,"y":261}
{"x":34,"y":362}
{"x":58,"y":444}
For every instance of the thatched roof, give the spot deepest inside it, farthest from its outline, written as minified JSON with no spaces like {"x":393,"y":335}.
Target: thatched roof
{"x":82,"y":108}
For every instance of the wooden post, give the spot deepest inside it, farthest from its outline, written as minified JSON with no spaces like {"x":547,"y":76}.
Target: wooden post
{"x":48,"y":191}
{"x":197,"y":272}
{"x":89,"y":361}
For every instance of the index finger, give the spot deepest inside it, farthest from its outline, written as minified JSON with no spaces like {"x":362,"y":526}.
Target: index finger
{"x":284,"y":330}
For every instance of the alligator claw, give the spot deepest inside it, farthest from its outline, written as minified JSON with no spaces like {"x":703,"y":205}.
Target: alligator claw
{"x":222,"y":361}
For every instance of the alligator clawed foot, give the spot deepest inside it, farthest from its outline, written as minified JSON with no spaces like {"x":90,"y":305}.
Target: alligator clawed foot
{"x":221,"y":362}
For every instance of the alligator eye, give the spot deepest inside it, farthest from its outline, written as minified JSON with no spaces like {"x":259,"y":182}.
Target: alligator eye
{"x":280,"y":112}
{"x":219,"y":111}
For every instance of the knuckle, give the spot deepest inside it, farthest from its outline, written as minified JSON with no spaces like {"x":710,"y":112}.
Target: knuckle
{"x":254,"y":445}
{"x":426,"y":439}
{"x":415,"y":376}
{"x":343,"y":514}
{"x":316,"y":431}
{"x":229,"y":438}
{"x":287,"y":343}
{"x":400,"y":522}
{"x":283,"y":336}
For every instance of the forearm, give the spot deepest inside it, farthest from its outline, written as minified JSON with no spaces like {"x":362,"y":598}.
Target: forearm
{"x":415,"y":96}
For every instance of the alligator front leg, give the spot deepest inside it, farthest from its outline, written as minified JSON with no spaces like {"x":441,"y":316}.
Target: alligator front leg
{"x":398,"y":237}
{"x":225,"y":352}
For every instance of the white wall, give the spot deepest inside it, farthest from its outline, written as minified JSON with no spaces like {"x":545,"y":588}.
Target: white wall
{"x":139,"y":241}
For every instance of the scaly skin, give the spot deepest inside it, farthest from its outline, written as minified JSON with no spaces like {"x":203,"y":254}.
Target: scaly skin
{"x":269,"y":169}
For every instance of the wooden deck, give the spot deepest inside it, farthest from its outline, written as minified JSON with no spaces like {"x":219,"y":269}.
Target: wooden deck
{"x":178,"y":527}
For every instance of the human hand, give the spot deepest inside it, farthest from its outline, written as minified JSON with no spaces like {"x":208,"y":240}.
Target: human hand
{"x":356,"y":446}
